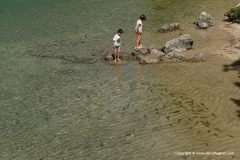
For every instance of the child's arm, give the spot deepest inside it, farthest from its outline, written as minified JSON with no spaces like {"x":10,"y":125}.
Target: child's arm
{"x":136,"y":28}
{"x":113,"y":43}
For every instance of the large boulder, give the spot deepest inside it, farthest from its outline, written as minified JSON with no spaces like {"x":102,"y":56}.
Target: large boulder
{"x":205,"y":21}
{"x":179,"y":44}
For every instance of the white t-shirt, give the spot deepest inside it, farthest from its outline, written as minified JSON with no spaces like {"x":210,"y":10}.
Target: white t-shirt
{"x":117,"y":40}
{"x":139,"y":25}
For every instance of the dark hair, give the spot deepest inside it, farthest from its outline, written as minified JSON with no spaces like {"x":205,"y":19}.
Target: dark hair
{"x":143,"y":17}
{"x":120,"y":31}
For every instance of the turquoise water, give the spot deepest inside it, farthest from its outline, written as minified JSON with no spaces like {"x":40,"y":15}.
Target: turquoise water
{"x":54,"y":109}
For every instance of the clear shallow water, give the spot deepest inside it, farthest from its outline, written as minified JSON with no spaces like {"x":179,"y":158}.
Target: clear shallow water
{"x":53,"y":109}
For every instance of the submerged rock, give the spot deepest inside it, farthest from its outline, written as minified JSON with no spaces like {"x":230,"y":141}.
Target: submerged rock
{"x":108,"y":57}
{"x":58,"y":50}
{"x":123,"y":56}
{"x":69,"y":58}
{"x":78,"y":59}
{"x":196,"y":58}
{"x":205,"y":21}
{"x":169,"y":27}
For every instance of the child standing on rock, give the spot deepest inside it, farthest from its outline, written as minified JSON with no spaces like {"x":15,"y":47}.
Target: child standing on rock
{"x":117,"y":45}
{"x":138,"y":29}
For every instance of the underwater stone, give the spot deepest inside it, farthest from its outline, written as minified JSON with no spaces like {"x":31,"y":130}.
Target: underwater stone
{"x":169,"y":27}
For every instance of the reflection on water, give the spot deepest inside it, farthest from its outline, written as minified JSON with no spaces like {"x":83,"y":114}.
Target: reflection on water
{"x":139,"y":73}
{"x":119,"y":76}
{"x":117,"y":71}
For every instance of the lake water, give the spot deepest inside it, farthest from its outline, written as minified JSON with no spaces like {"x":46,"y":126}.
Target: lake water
{"x":54,"y":109}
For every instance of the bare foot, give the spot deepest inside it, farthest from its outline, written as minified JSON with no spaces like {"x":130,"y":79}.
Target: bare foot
{"x":115,"y":60}
{"x":119,"y":60}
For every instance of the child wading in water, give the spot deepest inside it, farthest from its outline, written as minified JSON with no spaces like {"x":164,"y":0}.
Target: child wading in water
{"x":138,"y":29}
{"x":117,"y":45}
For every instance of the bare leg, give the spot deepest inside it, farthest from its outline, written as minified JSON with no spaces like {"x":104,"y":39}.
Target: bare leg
{"x":119,"y":55}
{"x":139,"y":39}
{"x":115,"y":55}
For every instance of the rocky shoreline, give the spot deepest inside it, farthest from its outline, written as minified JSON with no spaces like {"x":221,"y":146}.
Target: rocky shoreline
{"x":175,"y":50}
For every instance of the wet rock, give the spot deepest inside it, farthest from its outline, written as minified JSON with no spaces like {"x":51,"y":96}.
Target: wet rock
{"x":142,"y":51}
{"x":151,"y":56}
{"x":123,"y":56}
{"x":169,"y":27}
{"x":205,"y":21}
{"x":172,"y":51}
{"x":126,"y":56}
{"x":180,"y":44}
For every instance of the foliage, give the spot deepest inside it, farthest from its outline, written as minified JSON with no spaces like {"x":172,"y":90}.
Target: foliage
{"x":233,"y":15}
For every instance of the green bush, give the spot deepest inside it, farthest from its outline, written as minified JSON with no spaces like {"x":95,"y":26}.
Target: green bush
{"x":233,"y":15}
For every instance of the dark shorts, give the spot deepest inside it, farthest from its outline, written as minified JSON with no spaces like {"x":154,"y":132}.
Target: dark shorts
{"x":116,"y":47}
